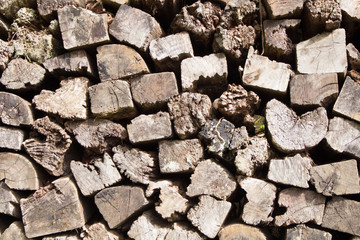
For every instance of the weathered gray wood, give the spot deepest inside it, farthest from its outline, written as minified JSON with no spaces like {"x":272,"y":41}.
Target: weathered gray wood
{"x":303,"y":232}
{"x":241,"y":232}
{"x":209,"y":215}
{"x":11,"y":138}
{"x":19,"y":172}
{"x":179,"y":156}
{"x":116,"y":61}
{"x":118,"y":204}
{"x":211,"y":178}
{"x":329,"y":57}
{"x":9,"y":201}
{"x":344,"y":136}
{"x":189,"y":112}
{"x":14,"y":232}
{"x":137,"y":165}
{"x":82,"y":28}
{"x":150,"y":128}
{"x":313,"y":90}
{"x":9,"y":8}
{"x":168,"y":52}
{"x":284,"y":9}
{"x":98,"y":231}
{"x":15,"y":111}
{"x":342,"y":215}
{"x":52,"y":209}
{"x":294,"y":171}
{"x":353,"y":56}
{"x":63,"y":236}
{"x":338,"y":178}
{"x":302,"y":206}
{"x":6,"y":51}
{"x":47,"y":8}
{"x":292,"y":133}
{"x":135,"y":27}
{"x":181,"y":231}
{"x":259,"y":207}
{"x":50,"y":147}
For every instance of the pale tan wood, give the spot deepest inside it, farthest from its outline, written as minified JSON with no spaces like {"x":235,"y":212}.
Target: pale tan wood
{"x":303,"y":232}
{"x":9,"y":201}
{"x":11,"y":138}
{"x":241,"y":231}
{"x":284,"y":9}
{"x":182,"y":231}
{"x":14,"y":232}
{"x":99,"y":231}
{"x":15,"y":111}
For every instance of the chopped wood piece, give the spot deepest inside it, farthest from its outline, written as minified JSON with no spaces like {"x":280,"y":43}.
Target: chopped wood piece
{"x":9,"y":201}
{"x":14,"y":232}
{"x":259,"y":207}
{"x":284,"y":9}
{"x":241,"y":232}
{"x":11,"y":138}
{"x":151,"y":92}
{"x":292,"y":171}
{"x":137,"y":165}
{"x":303,"y":232}
{"x":181,"y":231}
{"x":348,"y":101}
{"x":150,"y":128}
{"x":149,"y":227}
{"x":72,"y":63}
{"x":353,"y":56}
{"x":209,"y":215}
{"x":96,"y":175}
{"x":19,"y":172}
{"x":118,"y":204}
{"x":82,"y":28}
{"x":339,"y":178}
{"x":47,"y":8}
{"x":63,"y":236}
{"x":168,"y":52}
{"x":344,"y":136}
{"x":223,"y":138}
{"x":329,"y":57}
{"x":211,"y":178}
{"x":302,"y":206}
{"x":50,"y":147}
{"x":265,"y":75}
{"x":292,"y":133}
{"x":313,"y":90}
{"x":6,"y":52}
{"x":180,"y":156}
{"x":189,"y":111}
{"x":255,"y":155}
{"x":9,"y":8}
{"x":99,"y":230}
{"x":98,"y":135}
{"x":116,"y":61}
{"x":52,"y":209}
{"x":171,"y":202}
{"x":206,"y":74}
{"x":68,"y":101}
{"x":15,"y":111}
{"x":135,"y":27}
{"x":342,"y":215}
{"x":22,"y":75}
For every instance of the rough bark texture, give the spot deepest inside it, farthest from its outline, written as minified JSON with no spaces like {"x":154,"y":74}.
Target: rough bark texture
{"x":5,"y":54}
{"x":15,"y":111}
{"x":47,"y":8}
{"x":241,"y":232}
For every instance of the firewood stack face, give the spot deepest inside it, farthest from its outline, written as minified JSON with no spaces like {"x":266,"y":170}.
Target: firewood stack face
{"x":179,"y":120}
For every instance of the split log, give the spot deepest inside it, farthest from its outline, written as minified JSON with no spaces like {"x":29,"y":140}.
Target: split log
{"x":294,"y":171}
{"x":206,"y":74}
{"x":118,"y":204}
{"x":9,"y":201}
{"x":14,"y":232}
{"x":150,"y":128}
{"x":9,"y":8}
{"x":344,"y":136}
{"x":137,"y":165}
{"x":22,"y":75}
{"x":116,"y":61}
{"x":48,"y":8}
{"x":211,"y":178}
{"x":303,"y":232}
{"x":180,"y":156}
{"x":329,"y":57}
{"x":68,"y":101}
{"x":284,"y":9}
{"x":15,"y":111}
{"x":6,"y":52}
{"x":130,"y":20}
{"x":313,"y":90}
{"x":97,"y":231}
{"x":302,"y":206}
{"x":353,"y":56}
{"x":19,"y":172}
{"x":181,"y":231}
{"x":348,"y":102}
{"x":168,"y":52}
{"x":11,"y":138}
{"x":63,"y":236}
{"x":209,"y":215}
{"x":50,"y":153}
{"x":292,"y":133}
{"x":241,"y":231}
{"x":338,"y":178}
{"x":96,"y":175}
{"x":112,"y":99}
{"x":259,"y":207}
{"x":171,"y":203}
{"x":189,"y":111}
{"x":52,"y":209}
{"x":342,"y":215}
{"x":81,"y":28}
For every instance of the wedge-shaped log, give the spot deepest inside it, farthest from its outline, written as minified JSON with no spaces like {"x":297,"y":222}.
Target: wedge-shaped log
{"x":9,"y":201}
{"x":14,"y":110}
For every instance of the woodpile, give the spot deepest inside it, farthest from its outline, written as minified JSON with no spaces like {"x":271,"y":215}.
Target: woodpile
{"x":179,"y":120}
